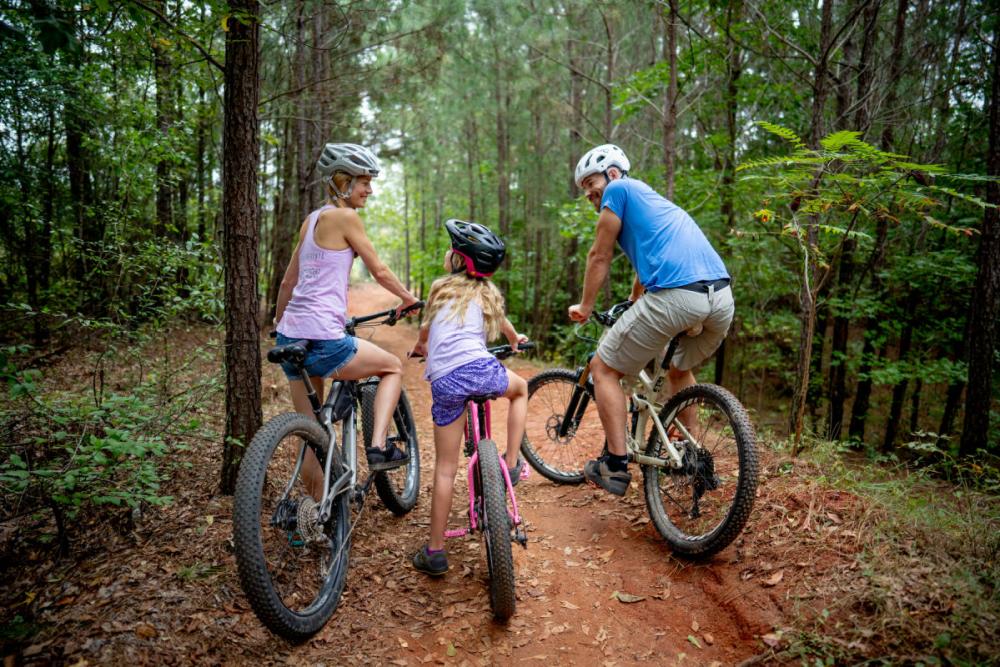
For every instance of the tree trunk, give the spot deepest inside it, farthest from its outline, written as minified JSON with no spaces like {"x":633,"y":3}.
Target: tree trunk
{"x":895,"y":66}
{"x":733,"y":70}
{"x":241,"y":216}
{"x":985,"y":315}
{"x":838,"y":350}
{"x":866,"y":68}
{"x":899,"y":390}
{"x":285,"y":219}
{"x":575,"y":153}
{"x":670,"y":101}
{"x":162,"y":71}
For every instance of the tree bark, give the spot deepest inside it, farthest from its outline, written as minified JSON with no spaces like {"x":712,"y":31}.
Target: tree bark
{"x":241,"y":216}
{"x":670,"y":101}
{"x":985,"y":315}
{"x":895,"y":66}
{"x":162,"y":70}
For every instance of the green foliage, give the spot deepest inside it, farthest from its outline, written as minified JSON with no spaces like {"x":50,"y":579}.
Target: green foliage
{"x":81,"y":454}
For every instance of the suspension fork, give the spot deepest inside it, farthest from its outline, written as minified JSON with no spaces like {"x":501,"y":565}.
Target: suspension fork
{"x":577,"y":403}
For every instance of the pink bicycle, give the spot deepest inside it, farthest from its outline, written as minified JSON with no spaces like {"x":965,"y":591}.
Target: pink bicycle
{"x":489,"y":513}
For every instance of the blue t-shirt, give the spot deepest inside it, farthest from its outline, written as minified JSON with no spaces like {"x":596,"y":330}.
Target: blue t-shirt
{"x":666,"y":247}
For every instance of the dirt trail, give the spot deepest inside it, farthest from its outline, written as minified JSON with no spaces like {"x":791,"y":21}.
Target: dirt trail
{"x":168,"y":593}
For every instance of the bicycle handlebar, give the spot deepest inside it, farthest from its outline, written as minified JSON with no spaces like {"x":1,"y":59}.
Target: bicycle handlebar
{"x":610,"y":316}
{"x":506,"y":351}
{"x":390,"y":316}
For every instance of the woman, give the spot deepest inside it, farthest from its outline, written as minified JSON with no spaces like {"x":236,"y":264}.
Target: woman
{"x":312,"y":302}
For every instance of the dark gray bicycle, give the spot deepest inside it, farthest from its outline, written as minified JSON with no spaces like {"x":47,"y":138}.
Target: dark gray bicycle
{"x":292,"y":551}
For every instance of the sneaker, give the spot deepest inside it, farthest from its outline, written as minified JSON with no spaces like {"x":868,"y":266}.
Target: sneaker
{"x":518,"y":472}
{"x":386,"y":459}
{"x":434,"y":564}
{"x":598,"y":473}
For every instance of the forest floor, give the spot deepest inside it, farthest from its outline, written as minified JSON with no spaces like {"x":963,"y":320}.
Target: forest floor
{"x":166,"y":591}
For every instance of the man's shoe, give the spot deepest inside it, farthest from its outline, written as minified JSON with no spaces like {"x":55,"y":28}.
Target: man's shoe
{"x":598,"y":473}
{"x":434,"y":564}
{"x":386,"y":459}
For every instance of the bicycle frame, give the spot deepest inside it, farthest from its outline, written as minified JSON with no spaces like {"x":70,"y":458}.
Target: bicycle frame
{"x":324,"y":415}
{"x":636,"y":388}
{"x":477,"y":429}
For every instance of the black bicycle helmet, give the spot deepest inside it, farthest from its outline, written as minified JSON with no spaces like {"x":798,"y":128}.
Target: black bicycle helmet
{"x":482,"y":249}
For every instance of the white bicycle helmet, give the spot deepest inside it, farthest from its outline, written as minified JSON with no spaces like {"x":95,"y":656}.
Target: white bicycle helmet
{"x":598,"y":160}
{"x":351,"y":159}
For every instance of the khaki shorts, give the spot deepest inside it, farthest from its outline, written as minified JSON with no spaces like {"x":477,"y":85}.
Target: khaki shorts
{"x":645,"y":329}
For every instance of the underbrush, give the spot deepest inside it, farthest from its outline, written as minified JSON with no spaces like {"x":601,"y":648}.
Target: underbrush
{"x":925,"y":585}
{"x":90,"y":440}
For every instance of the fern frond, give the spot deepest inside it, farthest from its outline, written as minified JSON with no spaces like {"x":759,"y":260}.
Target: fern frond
{"x":783,"y":132}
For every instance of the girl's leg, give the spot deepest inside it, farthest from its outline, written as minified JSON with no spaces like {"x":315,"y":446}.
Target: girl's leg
{"x":447,"y":442}
{"x":312,"y":471}
{"x":517,"y":413}
{"x":370,"y":360}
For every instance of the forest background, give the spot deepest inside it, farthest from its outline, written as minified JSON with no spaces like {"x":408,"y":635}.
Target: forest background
{"x":838,"y":154}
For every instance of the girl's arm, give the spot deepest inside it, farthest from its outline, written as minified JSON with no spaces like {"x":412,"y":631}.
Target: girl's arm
{"x":510,"y":333}
{"x":290,"y":280}
{"x":354,"y":234}
{"x":420,"y":347}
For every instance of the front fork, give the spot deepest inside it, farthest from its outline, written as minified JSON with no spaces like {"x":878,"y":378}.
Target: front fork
{"x":577,"y":403}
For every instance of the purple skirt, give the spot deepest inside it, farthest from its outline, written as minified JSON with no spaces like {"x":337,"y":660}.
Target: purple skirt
{"x":451,"y":392}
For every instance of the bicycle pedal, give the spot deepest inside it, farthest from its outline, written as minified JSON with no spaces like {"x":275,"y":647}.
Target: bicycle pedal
{"x":521,"y":537}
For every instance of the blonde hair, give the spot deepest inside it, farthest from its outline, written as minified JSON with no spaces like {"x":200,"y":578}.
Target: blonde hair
{"x":459,"y":289}
{"x":340,"y":180}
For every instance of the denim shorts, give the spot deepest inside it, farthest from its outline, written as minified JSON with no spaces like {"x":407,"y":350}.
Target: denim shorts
{"x":324,"y":357}
{"x":451,"y":392}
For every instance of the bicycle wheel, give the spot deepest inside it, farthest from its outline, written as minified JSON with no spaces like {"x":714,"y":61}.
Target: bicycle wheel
{"x":561,"y":458}
{"x":702,"y":506}
{"x":291,"y":567}
{"x":495,"y":525}
{"x":398,"y":488}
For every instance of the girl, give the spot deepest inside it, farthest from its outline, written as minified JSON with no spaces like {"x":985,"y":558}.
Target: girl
{"x":312,"y":302}
{"x":464,"y":310}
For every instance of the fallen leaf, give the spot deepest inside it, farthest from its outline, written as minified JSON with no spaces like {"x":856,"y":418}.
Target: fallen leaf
{"x":145,"y":630}
{"x":774,"y":579}
{"x":402,"y":642}
{"x":451,"y":650}
{"x":772,"y":639}
{"x":694,"y":640}
{"x":627,"y":597}
{"x":606,"y":556}
{"x":695,"y":626}
{"x":569,"y":605}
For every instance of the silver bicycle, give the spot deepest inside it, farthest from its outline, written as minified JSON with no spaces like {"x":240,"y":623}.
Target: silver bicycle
{"x":697,"y":451}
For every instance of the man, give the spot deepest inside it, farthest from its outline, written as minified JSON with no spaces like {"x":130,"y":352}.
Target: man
{"x":682,"y":283}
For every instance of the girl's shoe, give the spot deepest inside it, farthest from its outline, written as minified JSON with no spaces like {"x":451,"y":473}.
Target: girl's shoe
{"x":433,"y":564}
{"x":518,"y":472}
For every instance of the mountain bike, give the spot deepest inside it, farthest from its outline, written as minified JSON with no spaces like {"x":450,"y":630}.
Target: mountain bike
{"x":489,"y":513}
{"x":697,"y":452}
{"x":292,"y":550}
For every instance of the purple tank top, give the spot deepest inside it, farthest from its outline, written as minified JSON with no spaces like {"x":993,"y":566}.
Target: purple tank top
{"x":318,"y":307}
{"x":450,"y":344}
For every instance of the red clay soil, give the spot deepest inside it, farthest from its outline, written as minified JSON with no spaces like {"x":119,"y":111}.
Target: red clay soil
{"x":167,"y":592}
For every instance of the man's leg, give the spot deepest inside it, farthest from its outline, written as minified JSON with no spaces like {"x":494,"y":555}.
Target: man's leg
{"x":609,"y":472}
{"x":610,"y":403}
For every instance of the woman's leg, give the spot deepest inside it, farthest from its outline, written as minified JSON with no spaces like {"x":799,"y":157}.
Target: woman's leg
{"x":517,"y":413}
{"x":312,"y":471}
{"x":370,"y":360}
{"x":447,"y":441}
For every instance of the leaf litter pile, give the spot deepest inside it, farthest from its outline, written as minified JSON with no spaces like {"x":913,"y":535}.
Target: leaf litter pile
{"x":596,"y":584}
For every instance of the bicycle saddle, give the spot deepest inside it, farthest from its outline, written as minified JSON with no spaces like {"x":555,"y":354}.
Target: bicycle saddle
{"x":293,"y":352}
{"x":482,"y":398}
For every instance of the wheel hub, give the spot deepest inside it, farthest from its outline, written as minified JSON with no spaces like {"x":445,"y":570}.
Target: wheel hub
{"x":552,"y":425}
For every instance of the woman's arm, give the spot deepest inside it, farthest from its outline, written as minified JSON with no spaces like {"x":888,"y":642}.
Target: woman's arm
{"x":290,"y":279}
{"x":354,"y":234}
